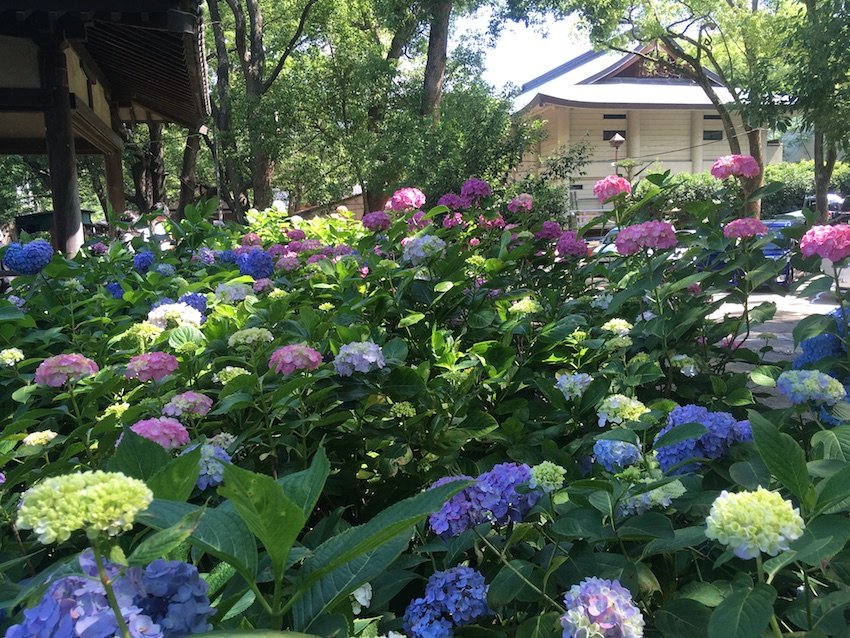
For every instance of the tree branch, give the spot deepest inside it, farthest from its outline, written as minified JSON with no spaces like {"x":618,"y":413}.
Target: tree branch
{"x":290,"y":47}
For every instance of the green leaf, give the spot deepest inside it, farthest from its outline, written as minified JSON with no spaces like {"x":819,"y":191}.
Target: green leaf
{"x":683,"y":618}
{"x":620,"y":434}
{"x":177,"y":479}
{"x":765,"y":376}
{"x":835,"y":488}
{"x":751,"y":473}
{"x":509,"y":582}
{"x":444,"y":286}
{"x":304,"y":488}
{"x":541,"y":626}
{"x":412,"y":318}
{"x":782,"y":455}
{"x":403,"y":383}
{"x":270,"y":515}
{"x":833,"y":443}
{"x":646,"y":526}
{"x":235,"y":401}
{"x":159,"y":544}
{"x":812,"y":326}
{"x":343,"y":563}
{"x":254,"y":633}
{"x":22,"y":394}
{"x":221,"y":533}
{"x":138,"y":457}
{"x":185,"y":334}
{"x":745,"y":613}
{"x":681,"y":432}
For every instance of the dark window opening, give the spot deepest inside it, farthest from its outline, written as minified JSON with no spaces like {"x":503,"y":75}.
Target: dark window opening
{"x":712,"y":136}
{"x":711,"y":117}
{"x":576,"y":187}
{"x":607,"y":135}
{"x":613,"y":116}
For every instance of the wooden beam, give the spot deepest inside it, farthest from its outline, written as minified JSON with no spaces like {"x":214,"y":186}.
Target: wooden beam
{"x":22,"y":100}
{"x":89,"y":126}
{"x":61,"y":155}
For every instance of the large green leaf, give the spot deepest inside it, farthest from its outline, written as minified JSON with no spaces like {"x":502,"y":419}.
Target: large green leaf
{"x":833,"y":443}
{"x":681,"y":432}
{"x":266,"y":510}
{"x":541,"y":626}
{"x":220,"y":533}
{"x":812,"y":326}
{"x":683,"y":618}
{"x":345,"y":562}
{"x":160,"y":543}
{"x":782,"y":455}
{"x":403,"y":383}
{"x":745,"y":613}
{"x":509,"y":582}
{"x":254,"y":633}
{"x":176,"y":480}
{"x":138,"y":457}
{"x":304,"y":488}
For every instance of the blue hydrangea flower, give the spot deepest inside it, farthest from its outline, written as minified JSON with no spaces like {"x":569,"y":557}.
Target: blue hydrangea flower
{"x":810,"y":386}
{"x":28,"y":259}
{"x":226,"y":256}
{"x":816,"y":349}
{"x":161,"y":302}
{"x":166,"y":270}
{"x":458,"y":514}
{"x":115,"y":289}
{"x":194,"y":300}
{"x":256,"y":263}
{"x":495,"y":492}
{"x":615,"y":456}
{"x":360,"y":356}
{"x":602,"y":609}
{"x":573,"y":385}
{"x":143,"y":261}
{"x":419,"y":250}
{"x":175,"y":597}
{"x":453,"y":598}
{"x":212,"y":463}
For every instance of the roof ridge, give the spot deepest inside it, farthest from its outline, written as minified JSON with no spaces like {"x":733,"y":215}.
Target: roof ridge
{"x":560,"y":70}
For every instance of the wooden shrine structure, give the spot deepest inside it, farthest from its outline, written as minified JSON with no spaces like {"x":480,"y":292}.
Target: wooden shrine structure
{"x":73,"y":71}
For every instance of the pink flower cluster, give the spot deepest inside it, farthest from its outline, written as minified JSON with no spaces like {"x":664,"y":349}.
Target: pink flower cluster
{"x":288,"y":262}
{"x":610,"y":186}
{"x":298,"y":356}
{"x":406,"y":199}
{"x":497,"y":222}
{"x":453,"y":219}
{"x":251,"y":239}
{"x":191,"y":403}
{"x":168,"y":432}
{"x":744,"y":227}
{"x":735,"y":165}
{"x":151,"y":365}
{"x":523,"y":201}
{"x":653,"y":234}
{"x":571,"y":244}
{"x":376,"y":221}
{"x":827,"y":242}
{"x":59,"y":370}
{"x":550,"y":230}
{"x":263,"y":284}
{"x":417,"y":221}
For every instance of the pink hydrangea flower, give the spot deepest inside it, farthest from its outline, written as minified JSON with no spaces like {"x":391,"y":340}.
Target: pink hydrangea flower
{"x":654,"y":234}
{"x":406,"y":199}
{"x":376,"y":221}
{"x":168,"y":432}
{"x":298,"y":356}
{"x":474,"y":242}
{"x":151,"y":365}
{"x":364,"y":272}
{"x":735,"y":165}
{"x":550,"y":230}
{"x":288,"y":262}
{"x":263,"y":284}
{"x":191,"y":403}
{"x":251,"y":239}
{"x":570,"y":244}
{"x":453,"y":219}
{"x":827,"y":242}
{"x":294,"y":246}
{"x":523,"y":201}
{"x":497,"y":222}
{"x":474,"y":189}
{"x":417,"y":221}
{"x":695,"y":289}
{"x":59,"y":370}
{"x":608,"y":187}
{"x":296,"y":234}
{"x":744,"y":227}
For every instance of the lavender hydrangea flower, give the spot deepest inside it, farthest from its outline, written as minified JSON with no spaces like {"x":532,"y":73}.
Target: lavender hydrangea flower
{"x":495,"y":493}
{"x":166,"y":270}
{"x":453,"y":598}
{"x":473,"y":189}
{"x":615,"y":456}
{"x":458,"y":514}
{"x":601,"y":608}
{"x":143,"y":261}
{"x":419,"y":250}
{"x":361,"y":356}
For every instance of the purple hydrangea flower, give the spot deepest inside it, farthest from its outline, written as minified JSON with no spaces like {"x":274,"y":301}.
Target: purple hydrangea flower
{"x":28,"y":259}
{"x":473,"y":189}
{"x":458,"y":514}
{"x":376,"y":221}
{"x":143,"y":261}
{"x":204,"y":255}
{"x":601,"y":608}
{"x":453,"y":598}
{"x":495,"y":492}
{"x":361,"y":356}
{"x":453,"y":201}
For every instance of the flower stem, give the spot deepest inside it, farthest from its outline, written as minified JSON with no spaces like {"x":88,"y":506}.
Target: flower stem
{"x":110,"y":593}
{"x":774,"y":624}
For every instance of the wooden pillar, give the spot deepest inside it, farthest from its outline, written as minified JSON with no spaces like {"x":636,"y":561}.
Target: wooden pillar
{"x":61,"y":155}
{"x":633,"y":131}
{"x":696,"y":142}
{"x":114,"y":187}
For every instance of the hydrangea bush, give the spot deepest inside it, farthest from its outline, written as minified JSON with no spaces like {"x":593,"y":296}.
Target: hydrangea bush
{"x":435,"y":421}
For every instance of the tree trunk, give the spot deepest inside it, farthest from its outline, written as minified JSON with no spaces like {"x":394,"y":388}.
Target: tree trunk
{"x":750,"y":186}
{"x":825,"y":156}
{"x":189,"y":171}
{"x":262,"y":170}
{"x":435,"y":66}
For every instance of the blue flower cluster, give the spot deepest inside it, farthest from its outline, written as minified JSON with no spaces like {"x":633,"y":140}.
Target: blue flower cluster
{"x":161,"y":302}
{"x":143,"y":261}
{"x":212,"y":463}
{"x":493,"y":497}
{"x":166,"y":270}
{"x":810,"y":386}
{"x":723,"y":432}
{"x":226,"y":256}
{"x":194,"y":300}
{"x":28,"y":259}
{"x":615,"y":456}
{"x":167,"y":599}
{"x":816,"y":349}
{"x":453,"y":598}
{"x":115,"y":289}
{"x":256,"y":263}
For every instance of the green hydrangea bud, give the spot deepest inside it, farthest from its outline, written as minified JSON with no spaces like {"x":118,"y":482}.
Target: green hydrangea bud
{"x":527,"y":306}
{"x":403,"y":409}
{"x":228,"y":374}
{"x":547,"y":476}
{"x":10,"y":356}
{"x":247,"y":337}
{"x":97,"y":502}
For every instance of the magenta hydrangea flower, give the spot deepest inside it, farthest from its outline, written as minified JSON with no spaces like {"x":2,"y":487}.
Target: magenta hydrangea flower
{"x":59,"y":370}
{"x":417,"y":221}
{"x":610,"y":186}
{"x":523,"y":201}
{"x":278,"y":250}
{"x":827,"y":242}
{"x":653,"y":234}
{"x":376,"y":221}
{"x":453,"y":201}
{"x":189,"y":403}
{"x":497,"y":222}
{"x":452,"y":220}
{"x":744,"y":227}
{"x":406,"y":199}
{"x":296,"y":234}
{"x":151,"y":366}
{"x":548,"y":231}
{"x":99,"y":248}
{"x":474,"y":189}
{"x":571,"y":244}
{"x":298,"y":356}
{"x":735,"y":166}
{"x":168,"y":432}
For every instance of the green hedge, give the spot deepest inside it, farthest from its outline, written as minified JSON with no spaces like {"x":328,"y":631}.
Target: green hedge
{"x":798,"y":179}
